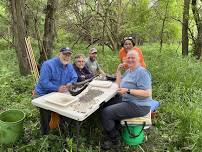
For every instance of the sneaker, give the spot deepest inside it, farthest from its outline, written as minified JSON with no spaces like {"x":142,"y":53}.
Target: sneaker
{"x":146,"y":127}
{"x":106,"y":144}
{"x":111,"y":144}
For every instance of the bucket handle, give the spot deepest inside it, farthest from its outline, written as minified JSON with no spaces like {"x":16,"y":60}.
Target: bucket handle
{"x":132,"y":135}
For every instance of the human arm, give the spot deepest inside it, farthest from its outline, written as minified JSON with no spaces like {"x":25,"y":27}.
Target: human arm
{"x":141,"y":58}
{"x":142,"y":84}
{"x":122,"y":54}
{"x":136,"y":92}
{"x":45,"y":79}
{"x":118,"y":73}
{"x":87,"y":74}
{"x":99,"y":70}
{"x":73,"y":77}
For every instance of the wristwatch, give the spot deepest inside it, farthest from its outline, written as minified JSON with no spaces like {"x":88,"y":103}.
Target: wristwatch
{"x":128,"y":92}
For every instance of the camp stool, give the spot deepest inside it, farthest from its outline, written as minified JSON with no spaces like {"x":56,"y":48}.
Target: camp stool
{"x":139,"y":120}
{"x":133,"y":133}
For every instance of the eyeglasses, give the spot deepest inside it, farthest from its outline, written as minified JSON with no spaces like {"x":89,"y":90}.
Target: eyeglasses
{"x":128,"y":38}
{"x":66,"y":53}
{"x":80,"y":61}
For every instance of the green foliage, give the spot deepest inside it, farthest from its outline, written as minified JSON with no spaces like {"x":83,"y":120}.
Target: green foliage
{"x":137,"y":18}
{"x":3,"y":16}
{"x":177,"y":85}
{"x":172,"y":28}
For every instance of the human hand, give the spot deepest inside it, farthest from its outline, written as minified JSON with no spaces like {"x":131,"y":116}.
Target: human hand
{"x":122,"y":90}
{"x":83,"y":77}
{"x":62,"y":89}
{"x":120,"y":66}
{"x":125,"y":65}
{"x":69,"y":86}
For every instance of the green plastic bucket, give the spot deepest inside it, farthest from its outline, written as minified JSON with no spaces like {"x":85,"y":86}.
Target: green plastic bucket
{"x":11,"y":126}
{"x":137,"y":136}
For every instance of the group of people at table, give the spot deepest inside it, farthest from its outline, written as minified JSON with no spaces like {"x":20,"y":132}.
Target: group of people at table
{"x":134,"y":95}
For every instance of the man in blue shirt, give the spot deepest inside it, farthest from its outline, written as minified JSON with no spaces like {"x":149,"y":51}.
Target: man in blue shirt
{"x":56,"y":75}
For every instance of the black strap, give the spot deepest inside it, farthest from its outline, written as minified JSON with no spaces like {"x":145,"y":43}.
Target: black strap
{"x":132,"y":135}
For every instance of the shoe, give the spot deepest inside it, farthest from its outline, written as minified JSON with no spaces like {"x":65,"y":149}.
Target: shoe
{"x":146,"y":127}
{"x":106,"y":142}
{"x":106,"y":145}
{"x":109,"y":143}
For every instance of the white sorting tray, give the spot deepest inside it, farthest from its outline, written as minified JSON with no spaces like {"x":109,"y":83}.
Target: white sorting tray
{"x":72,"y":110}
{"x":100,"y":83}
{"x":61,"y":99}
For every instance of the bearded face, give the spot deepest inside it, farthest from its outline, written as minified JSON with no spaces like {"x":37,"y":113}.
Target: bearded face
{"x":65,"y":57}
{"x":80,"y":63}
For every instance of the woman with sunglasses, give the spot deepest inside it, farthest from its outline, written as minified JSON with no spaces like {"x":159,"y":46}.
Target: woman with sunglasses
{"x":128,"y":43}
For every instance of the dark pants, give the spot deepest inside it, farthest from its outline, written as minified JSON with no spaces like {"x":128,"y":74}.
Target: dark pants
{"x":45,"y":116}
{"x":116,"y":110}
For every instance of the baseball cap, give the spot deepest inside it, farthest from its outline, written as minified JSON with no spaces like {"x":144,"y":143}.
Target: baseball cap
{"x":93,"y":50}
{"x":66,"y":50}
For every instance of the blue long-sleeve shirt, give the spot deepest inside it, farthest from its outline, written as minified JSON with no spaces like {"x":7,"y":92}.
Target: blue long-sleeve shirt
{"x":53,"y":74}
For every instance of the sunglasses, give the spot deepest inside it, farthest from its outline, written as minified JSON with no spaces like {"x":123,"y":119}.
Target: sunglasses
{"x":128,"y":38}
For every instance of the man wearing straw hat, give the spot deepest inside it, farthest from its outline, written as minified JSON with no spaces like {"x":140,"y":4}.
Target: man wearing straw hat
{"x":56,"y":75}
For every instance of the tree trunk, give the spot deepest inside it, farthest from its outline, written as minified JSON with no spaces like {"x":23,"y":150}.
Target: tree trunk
{"x":49,"y":31}
{"x":198,"y":19}
{"x":198,"y":47}
{"x":163,"y":25}
{"x":19,"y":33}
{"x":185,"y":26}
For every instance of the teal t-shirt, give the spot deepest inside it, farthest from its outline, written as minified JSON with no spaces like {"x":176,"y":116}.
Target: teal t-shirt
{"x":139,"y":78}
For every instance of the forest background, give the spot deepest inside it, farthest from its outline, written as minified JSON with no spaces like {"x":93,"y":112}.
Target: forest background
{"x":169,"y":32}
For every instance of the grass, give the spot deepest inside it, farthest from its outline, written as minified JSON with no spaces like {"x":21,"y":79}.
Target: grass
{"x":177,"y":85}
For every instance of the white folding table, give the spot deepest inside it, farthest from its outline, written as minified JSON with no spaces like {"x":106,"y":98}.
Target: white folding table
{"x":78,"y":110}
